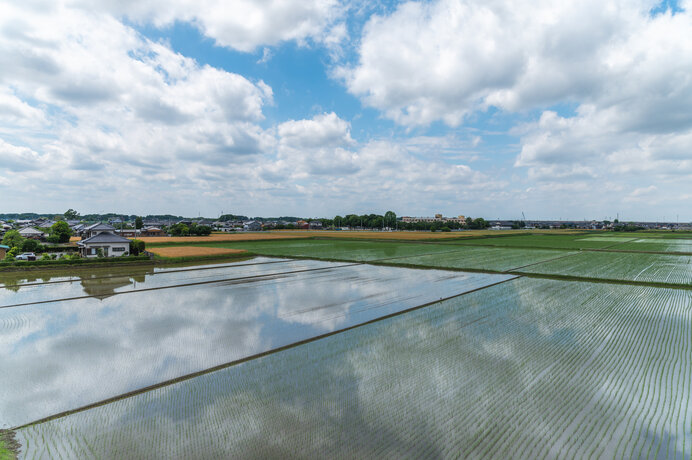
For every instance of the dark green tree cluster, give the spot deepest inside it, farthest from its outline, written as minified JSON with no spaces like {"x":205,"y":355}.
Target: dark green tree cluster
{"x":59,"y":232}
{"x":194,"y":229}
{"x":136,"y":247}
{"x":627,"y":228}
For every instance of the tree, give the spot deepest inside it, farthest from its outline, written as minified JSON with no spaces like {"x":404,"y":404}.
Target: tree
{"x":179,"y":230}
{"x":71,"y":214}
{"x":138,"y":223}
{"x":12,"y":239}
{"x":136,"y":247}
{"x":29,"y":245}
{"x":389,"y":219}
{"x":60,"y":231}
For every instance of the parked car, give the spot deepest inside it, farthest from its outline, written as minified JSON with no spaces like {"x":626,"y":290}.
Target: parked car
{"x":26,"y":256}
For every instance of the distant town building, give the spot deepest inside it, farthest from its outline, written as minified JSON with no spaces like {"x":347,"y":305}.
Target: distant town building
{"x":437,"y":218}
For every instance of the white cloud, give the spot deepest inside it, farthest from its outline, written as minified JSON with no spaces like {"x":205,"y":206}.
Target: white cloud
{"x":115,"y":108}
{"x":325,"y":130}
{"x":446,"y":59}
{"x":243,"y":25}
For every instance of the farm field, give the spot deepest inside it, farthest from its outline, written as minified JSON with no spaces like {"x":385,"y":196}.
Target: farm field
{"x":526,"y":369}
{"x":351,"y":250}
{"x":324,"y":347}
{"x":483,"y":258}
{"x":657,"y":268}
{"x":659,"y":245}
{"x":65,"y":353}
{"x":193,"y":251}
{"x":547,"y":241}
{"x":413,"y":235}
{"x":418,"y":254}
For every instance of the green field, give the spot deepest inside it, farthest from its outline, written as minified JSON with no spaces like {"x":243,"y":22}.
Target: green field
{"x":659,"y":245}
{"x":406,"y":254}
{"x":547,"y":241}
{"x":526,"y":369}
{"x":656,"y":268}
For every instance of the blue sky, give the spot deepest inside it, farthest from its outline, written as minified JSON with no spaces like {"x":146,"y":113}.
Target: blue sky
{"x":324,"y":107}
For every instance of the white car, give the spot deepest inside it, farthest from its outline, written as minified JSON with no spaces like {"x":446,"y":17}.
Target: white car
{"x":26,"y":256}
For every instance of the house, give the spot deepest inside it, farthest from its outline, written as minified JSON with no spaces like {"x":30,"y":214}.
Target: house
{"x":3,"y":251}
{"x":315,"y":225}
{"x":152,"y":231}
{"x":95,"y":229}
{"x":252,"y":226}
{"x":31,"y":232}
{"x":111,"y":244}
{"x":128,"y":233}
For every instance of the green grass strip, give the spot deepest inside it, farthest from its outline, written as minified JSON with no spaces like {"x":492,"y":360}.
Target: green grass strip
{"x":9,"y":447}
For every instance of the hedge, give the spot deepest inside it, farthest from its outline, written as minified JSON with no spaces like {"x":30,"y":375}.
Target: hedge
{"x":37,"y":263}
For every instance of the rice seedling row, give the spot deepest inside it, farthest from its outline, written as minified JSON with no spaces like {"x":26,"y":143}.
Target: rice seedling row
{"x":660,"y":268}
{"x":527,"y":369}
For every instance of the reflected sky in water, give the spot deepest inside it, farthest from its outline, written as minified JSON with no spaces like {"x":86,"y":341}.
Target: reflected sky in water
{"x":26,"y":287}
{"x":65,"y":354}
{"x":525,"y":369}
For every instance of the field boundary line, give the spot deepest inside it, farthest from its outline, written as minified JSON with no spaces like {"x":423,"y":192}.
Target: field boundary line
{"x":219,"y":367}
{"x":543,"y":261}
{"x":197,"y":283}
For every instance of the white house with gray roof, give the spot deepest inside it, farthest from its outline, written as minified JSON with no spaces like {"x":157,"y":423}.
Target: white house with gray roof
{"x":111,"y":244}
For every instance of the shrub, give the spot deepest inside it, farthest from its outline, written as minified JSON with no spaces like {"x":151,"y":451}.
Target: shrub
{"x":29,"y":245}
{"x":137,"y":247}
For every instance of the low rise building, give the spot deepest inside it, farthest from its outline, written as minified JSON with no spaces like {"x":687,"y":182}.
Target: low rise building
{"x":95,"y":229}
{"x":111,"y":244}
{"x":31,"y":232}
{"x":437,"y":218}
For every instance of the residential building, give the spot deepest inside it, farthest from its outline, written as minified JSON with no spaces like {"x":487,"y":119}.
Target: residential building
{"x":3,"y":251}
{"x":31,"y":232}
{"x":252,"y":226}
{"x":111,"y":244}
{"x":152,"y":231}
{"x":95,"y":229}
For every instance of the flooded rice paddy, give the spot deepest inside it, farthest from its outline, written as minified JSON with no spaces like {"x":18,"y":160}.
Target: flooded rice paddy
{"x":525,"y":369}
{"x":72,"y":341}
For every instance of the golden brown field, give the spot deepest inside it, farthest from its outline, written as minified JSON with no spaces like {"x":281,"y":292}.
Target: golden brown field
{"x":188,"y":251}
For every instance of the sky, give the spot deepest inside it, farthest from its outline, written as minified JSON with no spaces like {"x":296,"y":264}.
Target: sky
{"x":312,"y":108}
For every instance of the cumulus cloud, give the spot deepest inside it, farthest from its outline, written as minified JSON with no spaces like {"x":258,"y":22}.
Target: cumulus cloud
{"x":243,"y":25}
{"x":623,"y":68}
{"x":113,"y":107}
{"x":445,"y":59}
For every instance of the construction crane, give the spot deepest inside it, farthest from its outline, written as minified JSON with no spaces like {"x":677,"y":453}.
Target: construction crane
{"x":523,"y":216}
